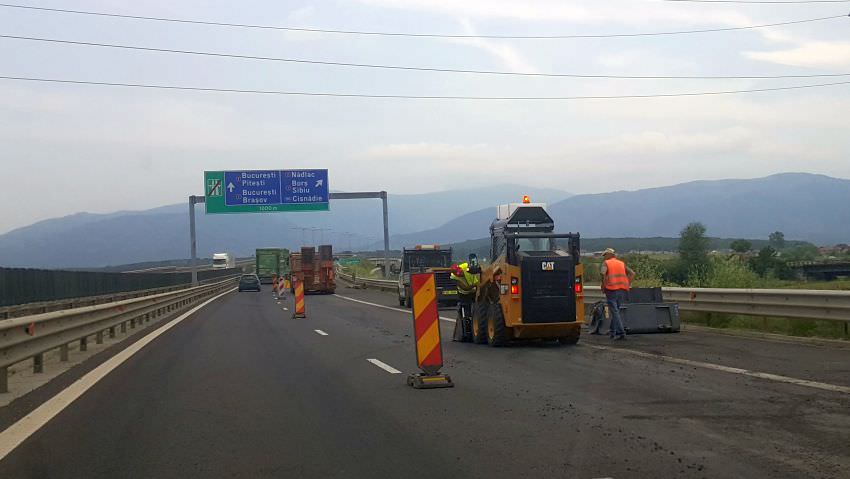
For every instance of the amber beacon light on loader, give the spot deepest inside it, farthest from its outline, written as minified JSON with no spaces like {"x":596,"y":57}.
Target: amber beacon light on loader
{"x":532,"y":289}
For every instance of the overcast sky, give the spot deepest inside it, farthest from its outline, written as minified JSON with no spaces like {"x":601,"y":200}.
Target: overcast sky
{"x":71,"y":148}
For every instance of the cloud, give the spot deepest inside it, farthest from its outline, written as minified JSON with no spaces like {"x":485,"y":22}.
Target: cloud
{"x":608,"y":12}
{"x":425,"y":150}
{"x":505,"y":52}
{"x":808,"y":54}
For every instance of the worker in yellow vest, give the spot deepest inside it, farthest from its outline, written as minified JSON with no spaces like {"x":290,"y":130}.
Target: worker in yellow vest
{"x":466,"y":276}
{"x":616,"y":281}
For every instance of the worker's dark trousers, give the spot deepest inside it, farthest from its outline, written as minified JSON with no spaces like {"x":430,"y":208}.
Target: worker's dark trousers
{"x":465,"y":305}
{"x":615,"y":299}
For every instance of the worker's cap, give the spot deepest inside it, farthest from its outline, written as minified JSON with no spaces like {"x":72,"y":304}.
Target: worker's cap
{"x":609,"y":251}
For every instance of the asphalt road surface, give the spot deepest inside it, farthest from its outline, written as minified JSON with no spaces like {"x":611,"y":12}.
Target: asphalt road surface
{"x":239,"y":389}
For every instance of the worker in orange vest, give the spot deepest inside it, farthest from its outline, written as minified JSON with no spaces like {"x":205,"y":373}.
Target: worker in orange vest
{"x":616,"y":281}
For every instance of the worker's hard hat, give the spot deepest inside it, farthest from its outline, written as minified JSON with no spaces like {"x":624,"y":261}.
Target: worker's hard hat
{"x":609,"y":251}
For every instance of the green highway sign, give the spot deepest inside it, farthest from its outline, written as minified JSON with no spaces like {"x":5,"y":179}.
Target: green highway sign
{"x":265,"y":191}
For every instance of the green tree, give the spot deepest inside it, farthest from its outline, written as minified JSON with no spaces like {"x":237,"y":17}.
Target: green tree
{"x":764,"y":262}
{"x":777,"y":240}
{"x":725,"y":273}
{"x":693,"y":246}
{"x":741,"y":246}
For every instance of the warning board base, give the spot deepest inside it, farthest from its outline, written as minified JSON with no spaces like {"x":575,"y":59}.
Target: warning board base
{"x":422,"y":381}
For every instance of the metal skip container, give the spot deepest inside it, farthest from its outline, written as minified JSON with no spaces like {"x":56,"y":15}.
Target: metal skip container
{"x":644,"y":312}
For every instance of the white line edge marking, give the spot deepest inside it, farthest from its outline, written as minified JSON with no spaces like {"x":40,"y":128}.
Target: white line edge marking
{"x":407,"y":311}
{"x":386,"y":367}
{"x":671,"y":359}
{"x":17,"y":433}
{"x":320,"y":332}
{"x":728,"y":369}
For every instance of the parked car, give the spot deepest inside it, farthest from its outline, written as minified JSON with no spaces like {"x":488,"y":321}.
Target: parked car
{"x":249,"y":282}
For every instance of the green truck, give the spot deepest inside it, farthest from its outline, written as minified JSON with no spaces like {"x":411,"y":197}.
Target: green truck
{"x":271,"y":262}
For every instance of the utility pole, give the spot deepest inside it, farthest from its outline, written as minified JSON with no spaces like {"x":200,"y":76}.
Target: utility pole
{"x":303,"y":230}
{"x":193,"y":243}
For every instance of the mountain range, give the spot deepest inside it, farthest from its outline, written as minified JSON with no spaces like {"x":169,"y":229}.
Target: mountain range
{"x":86,"y":240}
{"x":804,"y":206}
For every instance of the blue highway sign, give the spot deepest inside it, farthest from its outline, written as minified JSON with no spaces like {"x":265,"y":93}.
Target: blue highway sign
{"x":251,"y":191}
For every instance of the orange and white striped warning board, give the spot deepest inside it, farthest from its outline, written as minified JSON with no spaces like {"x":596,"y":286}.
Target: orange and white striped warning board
{"x":426,"y":321}
{"x":299,"y":310}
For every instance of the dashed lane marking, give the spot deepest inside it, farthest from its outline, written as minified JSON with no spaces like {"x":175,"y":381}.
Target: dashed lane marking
{"x":728,"y":369}
{"x":406,"y":311}
{"x":386,"y":367}
{"x":17,"y":433}
{"x":671,"y":359}
{"x":320,"y":332}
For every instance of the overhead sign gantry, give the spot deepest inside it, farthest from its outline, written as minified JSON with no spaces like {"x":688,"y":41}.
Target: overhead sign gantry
{"x":266,"y":191}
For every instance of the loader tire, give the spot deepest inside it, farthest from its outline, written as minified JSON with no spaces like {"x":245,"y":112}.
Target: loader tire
{"x":497,"y":332}
{"x":479,"y":323}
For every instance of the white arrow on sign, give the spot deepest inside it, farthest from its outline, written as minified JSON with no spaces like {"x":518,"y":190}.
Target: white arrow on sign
{"x":230,"y":187}
{"x":319,"y":183}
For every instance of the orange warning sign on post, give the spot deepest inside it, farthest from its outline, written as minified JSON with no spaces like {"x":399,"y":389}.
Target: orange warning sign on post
{"x":299,"y":300}
{"x":426,"y":326}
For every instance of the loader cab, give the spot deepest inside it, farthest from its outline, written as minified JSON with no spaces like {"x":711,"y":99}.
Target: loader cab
{"x":527,"y":230}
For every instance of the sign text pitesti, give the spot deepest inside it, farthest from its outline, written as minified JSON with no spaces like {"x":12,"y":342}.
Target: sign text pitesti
{"x":262,"y":191}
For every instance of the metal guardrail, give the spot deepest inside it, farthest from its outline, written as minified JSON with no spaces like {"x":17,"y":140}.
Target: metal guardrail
{"x":32,"y":336}
{"x":785,"y":303}
{"x":382,"y":284}
{"x":26,"y":309}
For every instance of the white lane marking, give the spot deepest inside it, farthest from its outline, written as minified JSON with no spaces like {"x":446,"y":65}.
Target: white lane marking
{"x":286,"y":309}
{"x":320,"y":332}
{"x":406,"y":311}
{"x":386,"y":367}
{"x":17,"y":433}
{"x":687,"y":362}
{"x":728,"y":369}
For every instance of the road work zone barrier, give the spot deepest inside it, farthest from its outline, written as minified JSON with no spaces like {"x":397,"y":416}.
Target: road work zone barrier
{"x":279,"y":287}
{"x":298,"y":310}
{"x":426,"y":326}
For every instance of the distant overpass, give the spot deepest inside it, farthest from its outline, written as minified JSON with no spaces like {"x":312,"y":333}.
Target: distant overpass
{"x":821,"y":270}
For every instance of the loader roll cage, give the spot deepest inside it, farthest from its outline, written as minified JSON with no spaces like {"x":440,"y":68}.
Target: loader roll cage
{"x":514,"y":248}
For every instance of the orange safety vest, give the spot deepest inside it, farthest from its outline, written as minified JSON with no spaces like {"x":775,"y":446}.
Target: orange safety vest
{"x":616,"y":277}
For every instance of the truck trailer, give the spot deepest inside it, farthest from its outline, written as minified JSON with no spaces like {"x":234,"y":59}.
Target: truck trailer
{"x":271,"y":262}
{"x":314,"y":268}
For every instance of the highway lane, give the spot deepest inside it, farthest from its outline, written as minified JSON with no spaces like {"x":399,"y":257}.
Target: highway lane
{"x":241,"y":390}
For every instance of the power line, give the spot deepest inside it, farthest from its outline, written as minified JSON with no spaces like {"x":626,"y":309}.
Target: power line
{"x":419,"y":97}
{"x":419,"y":69}
{"x":420,"y":35}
